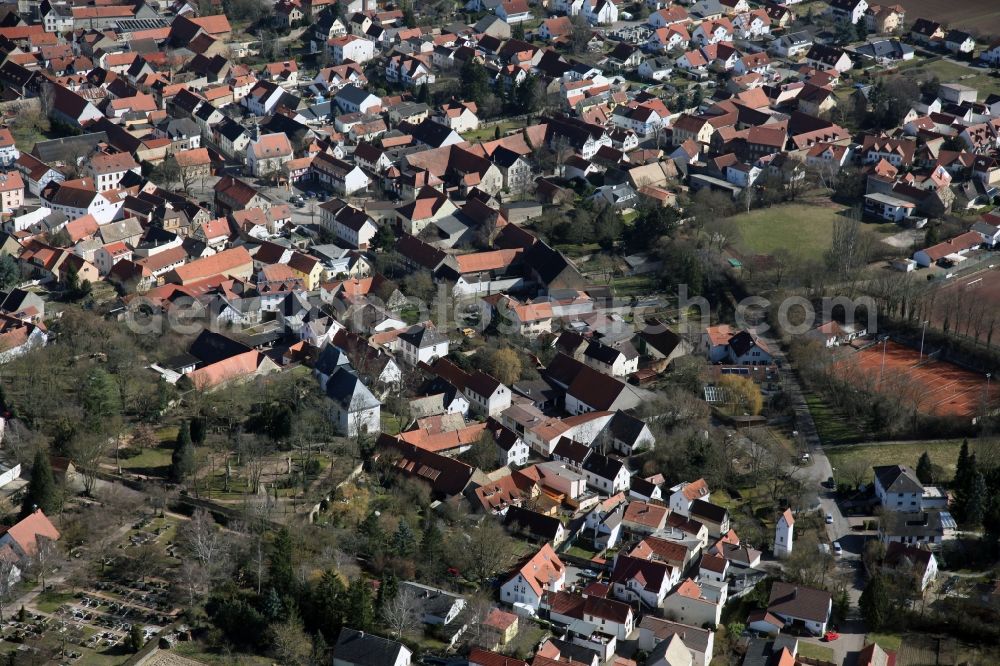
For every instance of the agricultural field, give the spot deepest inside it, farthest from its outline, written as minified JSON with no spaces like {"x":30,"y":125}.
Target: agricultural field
{"x":920,"y":649}
{"x":979,"y":16}
{"x":947,"y":71}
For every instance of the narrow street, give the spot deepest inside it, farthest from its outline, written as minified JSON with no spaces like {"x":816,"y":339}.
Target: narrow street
{"x":818,"y":471}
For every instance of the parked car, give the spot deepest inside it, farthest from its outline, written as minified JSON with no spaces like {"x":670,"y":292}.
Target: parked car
{"x":829,"y":519}
{"x":837,"y":550}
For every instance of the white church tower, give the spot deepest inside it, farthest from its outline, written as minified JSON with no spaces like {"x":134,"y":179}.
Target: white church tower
{"x":783,"y":534}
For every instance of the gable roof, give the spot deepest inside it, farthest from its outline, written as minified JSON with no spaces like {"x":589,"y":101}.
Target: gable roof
{"x":796,"y":601}
{"x":446,"y":476}
{"x":649,"y":573}
{"x":540,"y":569}
{"x":27,"y":531}
{"x":898,"y":479}
{"x":365,"y":649}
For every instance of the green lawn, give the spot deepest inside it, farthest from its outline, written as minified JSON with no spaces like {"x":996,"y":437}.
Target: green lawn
{"x":49,"y":602}
{"x":635,"y":285}
{"x":831,"y":426}
{"x":200,"y":652}
{"x":890,"y":642}
{"x":802,"y":229}
{"x":815,"y":651}
{"x":148,"y":459}
{"x":488,"y":133}
{"x":943,"y":453}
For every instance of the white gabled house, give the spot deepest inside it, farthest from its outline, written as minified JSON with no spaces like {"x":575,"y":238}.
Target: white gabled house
{"x":353,"y":409}
{"x":542,"y":572}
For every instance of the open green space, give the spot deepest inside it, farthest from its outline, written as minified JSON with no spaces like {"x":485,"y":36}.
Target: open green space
{"x":943,"y":454}
{"x":48,"y":602}
{"x":150,"y":458}
{"x":831,"y":426}
{"x":200,"y":652}
{"x":815,"y":651}
{"x":804,"y":229}
{"x":635,"y":285}
{"x":890,"y":642}
{"x":488,"y":132}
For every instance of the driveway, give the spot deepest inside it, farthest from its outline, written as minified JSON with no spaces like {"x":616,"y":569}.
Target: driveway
{"x":846,"y":648}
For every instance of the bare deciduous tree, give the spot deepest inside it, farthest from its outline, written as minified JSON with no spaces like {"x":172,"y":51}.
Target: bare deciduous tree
{"x":7,"y":567}
{"x":487,"y":549}
{"x":45,"y":559}
{"x":202,"y":540}
{"x":402,"y":612}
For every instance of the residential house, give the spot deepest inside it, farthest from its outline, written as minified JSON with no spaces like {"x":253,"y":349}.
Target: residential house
{"x":897,"y":488}
{"x":800,"y":606}
{"x":698,"y":604}
{"x":959,"y":42}
{"x":540,"y":573}
{"x":108,"y":169}
{"x":714,"y":517}
{"x":850,"y":10}
{"x":11,"y":192}
{"x":266,"y":155}
{"x":683,"y":495}
{"x":908,"y":560}
{"x":359,"y":648}
{"x":609,"y":617}
{"x":422,"y":343}
{"x":927,"y":32}
{"x":792,"y":45}
{"x":351,"y":48}
{"x":647,"y":581}
{"x":699,"y":641}
{"x":829,"y":57}
{"x":353,"y":408}
{"x":925,"y":528}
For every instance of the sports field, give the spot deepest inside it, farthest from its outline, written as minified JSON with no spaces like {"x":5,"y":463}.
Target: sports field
{"x":929,"y":385}
{"x":970,"y":306}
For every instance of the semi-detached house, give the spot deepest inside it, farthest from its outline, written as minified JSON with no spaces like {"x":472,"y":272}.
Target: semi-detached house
{"x":634,"y":579}
{"x":351,"y":225}
{"x":611,"y":617}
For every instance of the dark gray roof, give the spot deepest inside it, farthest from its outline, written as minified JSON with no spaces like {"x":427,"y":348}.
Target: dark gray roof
{"x":352,"y":94}
{"x":695,"y":638}
{"x":538,"y":524}
{"x":919,"y":524}
{"x":702,"y":510}
{"x":68,"y":147}
{"x":430,"y":133}
{"x":602,"y":466}
{"x":331,"y":358}
{"x":210,"y":347}
{"x":230,"y":129}
{"x":421,"y":336}
{"x":358,"y":647}
{"x":571,"y":450}
{"x":347,"y":390}
{"x":898,"y":479}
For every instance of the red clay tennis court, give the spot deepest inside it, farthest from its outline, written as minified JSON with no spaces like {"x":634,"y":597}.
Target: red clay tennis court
{"x":937,"y":387}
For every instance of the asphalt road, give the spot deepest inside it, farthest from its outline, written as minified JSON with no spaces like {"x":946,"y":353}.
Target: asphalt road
{"x":852,"y":632}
